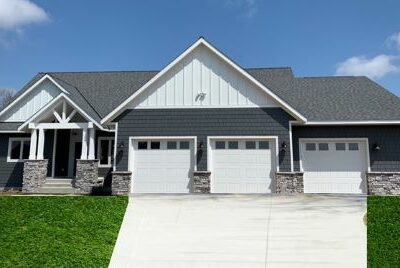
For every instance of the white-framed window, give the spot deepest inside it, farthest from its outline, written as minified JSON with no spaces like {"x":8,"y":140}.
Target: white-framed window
{"x":18,"y":149}
{"x":105,"y":151}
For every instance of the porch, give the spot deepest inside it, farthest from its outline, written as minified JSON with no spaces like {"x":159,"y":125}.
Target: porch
{"x":62,"y":153}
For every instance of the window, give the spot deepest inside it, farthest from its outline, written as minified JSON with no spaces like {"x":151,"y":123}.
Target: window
{"x":323,"y":147}
{"x":142,"y":145}
{"x":353,"y":146}
{"x":18,"y":149}
{"x":171,"y":145}
{"x":263,"y":145}
{"x":219,"y":145}
{"x":155,"y":145}
{"x":250,"y":145}
{"x":233,"y":144}
{"x":340,"y":146}
{"x":310,"y":146}
{"x":184,"y":145}
{"x":105,"y":151}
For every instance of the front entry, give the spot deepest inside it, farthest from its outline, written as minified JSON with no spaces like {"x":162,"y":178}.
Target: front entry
{"x":61,"y":157}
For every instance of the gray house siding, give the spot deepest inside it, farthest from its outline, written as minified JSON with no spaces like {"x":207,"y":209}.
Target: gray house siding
{"x":10,"y":172}
{"x":202,"y":123}
{"x":387,"y":137}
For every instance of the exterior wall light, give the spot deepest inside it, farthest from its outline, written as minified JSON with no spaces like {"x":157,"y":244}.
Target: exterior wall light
{"x":121,"y":145}
{"x":201,"y":145}
{"x":376,"y":147}
{"x":283,"y":146}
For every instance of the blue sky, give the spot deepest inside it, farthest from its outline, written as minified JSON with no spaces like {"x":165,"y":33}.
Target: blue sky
{"x":315,"y":38}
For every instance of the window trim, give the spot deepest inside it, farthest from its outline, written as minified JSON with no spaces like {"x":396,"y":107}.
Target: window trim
{"x":21,"y":140}
{"x":110,"y":154}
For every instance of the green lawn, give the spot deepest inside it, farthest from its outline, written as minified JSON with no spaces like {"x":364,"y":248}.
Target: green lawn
{"x":384,"y":231}
{"x":59,"y":231}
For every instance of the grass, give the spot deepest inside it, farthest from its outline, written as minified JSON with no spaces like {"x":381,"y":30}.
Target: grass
{"x":59,"y":231}
{"x":383,"y":231}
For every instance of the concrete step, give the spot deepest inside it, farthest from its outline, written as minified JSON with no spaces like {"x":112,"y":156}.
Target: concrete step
{"x":57,"y":185}
{"x":51,"y":180}
{"x":58,"y":190}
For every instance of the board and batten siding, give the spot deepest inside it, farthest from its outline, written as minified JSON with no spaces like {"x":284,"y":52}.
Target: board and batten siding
{"x":201,"y":72}
{"x":32,"y":102}
{"x":387,"y":137}
{"x":203,"y":123}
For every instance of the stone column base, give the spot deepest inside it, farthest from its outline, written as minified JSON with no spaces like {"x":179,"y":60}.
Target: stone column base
{"x":289,"y":182}
{"x":201,"y":182}
{"x":383,"y":183}
{"x":87,"y":174}
{"x":35,"y":173}
{"x":121,"y":182}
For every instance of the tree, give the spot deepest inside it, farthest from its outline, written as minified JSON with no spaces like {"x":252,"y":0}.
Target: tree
{"x":6,"y":96}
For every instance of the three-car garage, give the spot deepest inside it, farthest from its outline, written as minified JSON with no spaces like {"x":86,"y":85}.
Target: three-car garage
{"x":246,"y":164}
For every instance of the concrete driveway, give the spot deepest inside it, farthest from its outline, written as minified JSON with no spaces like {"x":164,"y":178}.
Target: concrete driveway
{"x":242,"y":231}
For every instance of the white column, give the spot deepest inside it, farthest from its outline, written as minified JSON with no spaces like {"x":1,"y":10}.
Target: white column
{"x":84,"y":144}
{"x":91,"y":143}
{"x":32,"y":151}
{"x":40,"y":144}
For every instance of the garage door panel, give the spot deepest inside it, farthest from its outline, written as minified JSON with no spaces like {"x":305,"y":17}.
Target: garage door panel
{"x":241,"y":170}
{"x":332,"y":170}
{"x":163,"y":170}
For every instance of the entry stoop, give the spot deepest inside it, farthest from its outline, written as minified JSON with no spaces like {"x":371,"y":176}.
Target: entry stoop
{"x":56,"y":186}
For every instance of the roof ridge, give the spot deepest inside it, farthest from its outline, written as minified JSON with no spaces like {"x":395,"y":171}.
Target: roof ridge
{"x":123,"y":71}
{"x":332,"y":76}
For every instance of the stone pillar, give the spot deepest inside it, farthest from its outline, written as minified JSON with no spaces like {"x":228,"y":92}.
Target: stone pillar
{"x":383,"y":183}
{"x":35,"y":173}
{"x":289,"y":182}
{"x":201,"y":182}
{"x":87,"y":175}
{"x":121,"y":182}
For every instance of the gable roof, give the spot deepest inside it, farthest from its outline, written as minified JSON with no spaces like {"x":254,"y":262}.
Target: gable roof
{"x":202,"y":42}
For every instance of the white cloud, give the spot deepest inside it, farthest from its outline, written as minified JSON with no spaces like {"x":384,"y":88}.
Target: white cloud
{"x":374,"y":68}
{"x":247,"y":7}
{"x":393,"y":41}
{"x":15,"y":14}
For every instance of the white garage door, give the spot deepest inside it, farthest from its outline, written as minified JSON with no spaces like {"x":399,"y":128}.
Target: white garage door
{"x":163,"y":166}
{"x":334,"y":166}
{"x":242,"y":165}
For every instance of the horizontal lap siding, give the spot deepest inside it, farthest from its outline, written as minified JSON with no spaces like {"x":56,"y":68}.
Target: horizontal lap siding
{"x":10,"y":173}
{"x":202,"y":123}
{"x":387,"y":137}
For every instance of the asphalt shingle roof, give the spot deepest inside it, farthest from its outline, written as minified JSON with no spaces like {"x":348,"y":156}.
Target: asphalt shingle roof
{"x":316,"y":98}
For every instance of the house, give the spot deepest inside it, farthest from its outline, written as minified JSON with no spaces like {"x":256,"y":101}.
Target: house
{"x":202,"y":124}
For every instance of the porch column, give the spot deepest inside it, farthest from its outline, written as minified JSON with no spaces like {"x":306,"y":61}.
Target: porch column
{"x":40,"y":144}
{"x":84,"y":144}
{"x":32,"y":151}
{"x":91,"y":144}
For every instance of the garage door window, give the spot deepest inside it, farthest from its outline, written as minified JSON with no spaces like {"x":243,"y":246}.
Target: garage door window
{"x":323,"y":146}
{"x":263,"y":145}
{"x":219,"y":145}
{"x":233,"y":145}
{"x":310,"y":146}
{"x":340,"y":146}
{"x":142,"y":145}
{"x":155,"y":145}
{"x":184,"y":145}
{"x":353,"y":146}
{"x":171,"y":145}
{"x":250,"y":145}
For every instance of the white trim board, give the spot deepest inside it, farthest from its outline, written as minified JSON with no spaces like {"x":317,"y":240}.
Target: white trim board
{"x":46,"y":76}
{"x":201,"y":41}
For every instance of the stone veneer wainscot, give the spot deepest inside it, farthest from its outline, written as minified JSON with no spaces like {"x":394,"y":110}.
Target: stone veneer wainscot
{"x":35,"y":173}
{"x":289,"y":182}
{"x":383,"y":183}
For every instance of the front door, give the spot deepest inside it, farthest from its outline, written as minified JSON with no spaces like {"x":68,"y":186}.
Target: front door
{"x":61,"y":158}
